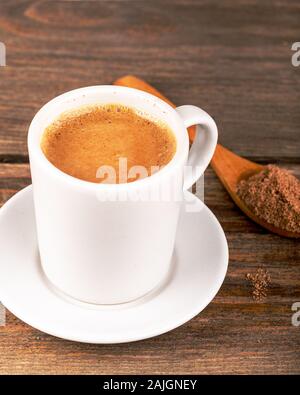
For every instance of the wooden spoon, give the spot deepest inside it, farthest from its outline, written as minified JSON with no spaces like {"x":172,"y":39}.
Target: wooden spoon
{"x":229,"y":167}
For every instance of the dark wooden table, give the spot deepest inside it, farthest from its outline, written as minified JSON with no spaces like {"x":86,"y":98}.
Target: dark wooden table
{"x":233,"y":58}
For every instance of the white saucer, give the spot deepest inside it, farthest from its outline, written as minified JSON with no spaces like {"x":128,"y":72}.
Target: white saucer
{"x":199,"y":267}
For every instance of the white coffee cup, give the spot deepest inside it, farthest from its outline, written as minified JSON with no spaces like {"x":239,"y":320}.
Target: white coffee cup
{"x":106,"y":252}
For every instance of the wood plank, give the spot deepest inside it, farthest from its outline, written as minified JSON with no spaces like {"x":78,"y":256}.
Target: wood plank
{"x":234,"y":334}
{"x":231,"y":58}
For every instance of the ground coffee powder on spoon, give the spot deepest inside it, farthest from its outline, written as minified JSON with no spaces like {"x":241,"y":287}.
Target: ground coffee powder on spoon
{"x":273,"y":194}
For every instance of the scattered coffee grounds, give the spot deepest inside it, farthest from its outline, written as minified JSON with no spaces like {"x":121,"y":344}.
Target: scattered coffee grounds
{"x":273,"y":194}
{"x":260,"y":282}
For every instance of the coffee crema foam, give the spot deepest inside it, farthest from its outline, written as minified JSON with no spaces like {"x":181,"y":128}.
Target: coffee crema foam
{"x":80,"y":142}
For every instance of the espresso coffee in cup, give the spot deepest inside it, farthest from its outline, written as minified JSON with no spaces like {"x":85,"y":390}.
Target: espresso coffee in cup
{"x":95,"y":248}
{"x":84,"y":140}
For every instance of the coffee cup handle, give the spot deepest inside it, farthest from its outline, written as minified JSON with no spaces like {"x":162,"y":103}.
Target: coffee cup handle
{"x":204,"y":144}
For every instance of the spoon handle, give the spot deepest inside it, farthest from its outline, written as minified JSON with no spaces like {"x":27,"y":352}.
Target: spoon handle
{"x":133,"y":82}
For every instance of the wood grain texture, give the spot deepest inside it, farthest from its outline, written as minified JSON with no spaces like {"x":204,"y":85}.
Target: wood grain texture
{"x":234,"y":334}
{"x":233,"y":58}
